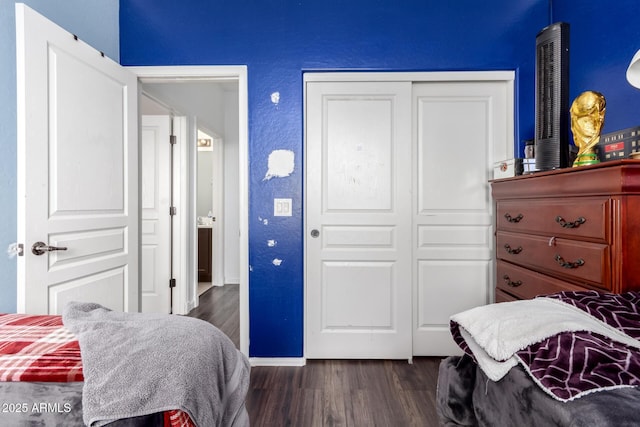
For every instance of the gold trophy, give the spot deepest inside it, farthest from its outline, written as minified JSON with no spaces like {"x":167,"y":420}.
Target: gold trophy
{"x":587,"y":119}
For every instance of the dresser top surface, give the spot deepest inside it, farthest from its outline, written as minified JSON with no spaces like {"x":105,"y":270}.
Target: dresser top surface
{"x":607,"y":178}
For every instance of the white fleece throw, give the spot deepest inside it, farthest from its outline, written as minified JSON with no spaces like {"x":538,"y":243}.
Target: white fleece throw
{"x":495,"y":332}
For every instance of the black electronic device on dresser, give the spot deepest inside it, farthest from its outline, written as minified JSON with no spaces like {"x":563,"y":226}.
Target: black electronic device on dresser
{"x":552,"y":97}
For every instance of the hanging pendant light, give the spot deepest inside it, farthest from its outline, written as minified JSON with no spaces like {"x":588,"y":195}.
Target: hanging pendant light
{"x":633,"y":72}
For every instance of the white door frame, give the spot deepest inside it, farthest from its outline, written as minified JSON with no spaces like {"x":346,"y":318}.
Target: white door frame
{"x":415,"y":77}
{"x":217,"y":197}
{"x":168,"y":74}
{"x":218,"y":276}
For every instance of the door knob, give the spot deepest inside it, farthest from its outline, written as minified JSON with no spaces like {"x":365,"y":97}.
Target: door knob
{"x":315,"y":233}
{"x":39,"y":248}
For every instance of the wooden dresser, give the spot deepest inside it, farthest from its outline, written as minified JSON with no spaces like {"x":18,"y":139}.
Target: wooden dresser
{"x":568,"y":229}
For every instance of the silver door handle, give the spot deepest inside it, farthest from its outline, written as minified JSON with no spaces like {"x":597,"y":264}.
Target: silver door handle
{"x":315,"y":233}
{"x":39,"y":248}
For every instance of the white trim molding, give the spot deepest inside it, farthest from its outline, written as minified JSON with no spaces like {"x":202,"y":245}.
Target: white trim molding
{"x":278,"y":361}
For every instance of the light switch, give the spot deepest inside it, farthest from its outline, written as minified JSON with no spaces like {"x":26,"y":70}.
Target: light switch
{"x":282,"y":207}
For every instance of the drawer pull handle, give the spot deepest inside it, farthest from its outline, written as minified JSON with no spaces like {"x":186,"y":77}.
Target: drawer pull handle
{"x":513,"y":219}
{"x":567,"y":264}
{"x":508,"y":281}
{"x":574,"y":224}
{"x":512,"y":251}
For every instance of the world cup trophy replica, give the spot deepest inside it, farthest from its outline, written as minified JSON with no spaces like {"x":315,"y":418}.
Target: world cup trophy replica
{"x":587,"y":120}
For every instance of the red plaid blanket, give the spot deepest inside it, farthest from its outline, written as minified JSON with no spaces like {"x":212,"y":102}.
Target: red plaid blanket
{"x":40,"y":348}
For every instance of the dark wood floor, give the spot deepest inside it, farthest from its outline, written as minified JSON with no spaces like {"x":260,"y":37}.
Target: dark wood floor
{"x":345,"y":393}
{"x":330,"y":392}
{"x":219,"y":306}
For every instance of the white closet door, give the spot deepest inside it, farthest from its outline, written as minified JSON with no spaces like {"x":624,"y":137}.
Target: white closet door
{"x":461,"y":129}
{"x":394,"y":213}
{"x":358,"y":220}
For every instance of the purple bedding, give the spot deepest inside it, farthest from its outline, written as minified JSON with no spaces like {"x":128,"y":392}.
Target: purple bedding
{"x":569,"y":365}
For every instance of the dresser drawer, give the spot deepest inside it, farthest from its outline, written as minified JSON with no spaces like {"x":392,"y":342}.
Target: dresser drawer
{"x":572,"y":259}
{"x":504,"y":297}
{"x":564,"y":217}
{"x":526,"y":284}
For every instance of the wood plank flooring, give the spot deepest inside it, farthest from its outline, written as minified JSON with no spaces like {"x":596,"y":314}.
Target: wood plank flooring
{"x":345,"y":393}
{"x":219,"y":306}
{"x":354,"y":393}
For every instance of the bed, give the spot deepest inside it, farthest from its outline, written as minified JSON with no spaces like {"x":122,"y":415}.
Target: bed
{"x":94,"y":366}
{"x":567,"y":359}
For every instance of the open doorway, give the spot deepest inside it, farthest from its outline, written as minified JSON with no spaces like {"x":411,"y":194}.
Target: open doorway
{"x":213,"y":100}
{"x":211,"y":209}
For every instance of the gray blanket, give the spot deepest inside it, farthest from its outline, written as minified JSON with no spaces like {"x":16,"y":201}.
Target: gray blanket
{"x":467,"y":397}
{"x":40,"y":404}
{"x":138,"y":363}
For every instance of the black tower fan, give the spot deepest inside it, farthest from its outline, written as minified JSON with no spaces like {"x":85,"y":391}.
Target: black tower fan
{"x":552,"y":97}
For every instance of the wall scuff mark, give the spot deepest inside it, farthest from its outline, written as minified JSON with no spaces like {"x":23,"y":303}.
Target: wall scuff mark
{"x":280,"y":164}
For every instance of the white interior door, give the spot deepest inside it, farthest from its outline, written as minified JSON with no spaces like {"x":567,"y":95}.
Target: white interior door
{"x":358,"y":204}
{"x":155,"y":230}
{"x":461,"y":129}
{"x":77,"y":171}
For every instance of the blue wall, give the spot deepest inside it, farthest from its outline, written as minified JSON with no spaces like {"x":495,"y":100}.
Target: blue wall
{"x":604,"y":38}
{"x":93,"y":21}
{"x":280,"y":39}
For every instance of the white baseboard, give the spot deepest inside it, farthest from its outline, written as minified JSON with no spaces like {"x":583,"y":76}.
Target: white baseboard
{"x":231,"y":280}
{"x":277,"y":361}
{"x":190,"y":306}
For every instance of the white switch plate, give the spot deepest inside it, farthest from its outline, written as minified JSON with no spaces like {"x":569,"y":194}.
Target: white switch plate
{"x":282,"y":207}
